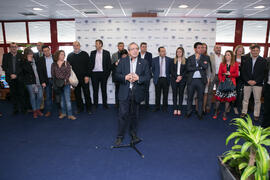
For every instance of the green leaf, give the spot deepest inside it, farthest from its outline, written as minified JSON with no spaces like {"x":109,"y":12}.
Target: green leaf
{"x":245,"y":147}
{"x":237,"y":140}
{"x":258,"y":176}
{"x":257,"y":135}
{"x":264,"y":159}
{"x":247,"y":172}
{"x":232,"y":135}
{"x":236,"y":147}
{"x":266,"y":142}
{"x":242,"y":165}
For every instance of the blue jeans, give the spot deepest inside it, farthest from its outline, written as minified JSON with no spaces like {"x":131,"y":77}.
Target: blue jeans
{"x":35,"y":97}
{"x":48,"y":101}
{"x":65,"y":101}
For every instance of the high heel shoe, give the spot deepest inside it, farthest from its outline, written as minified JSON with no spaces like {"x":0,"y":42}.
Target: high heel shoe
{"x":215,"y":115}
{"x":175,"y":112}
{"x":179,"y":113}
{"x":224,"y":117}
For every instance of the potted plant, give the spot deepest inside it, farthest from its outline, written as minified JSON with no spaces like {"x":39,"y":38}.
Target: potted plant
{"x":248,"y":157}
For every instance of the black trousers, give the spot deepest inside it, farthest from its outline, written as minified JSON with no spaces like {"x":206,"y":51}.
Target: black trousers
{"x":17,"y":93}
{"x":239,"y":93}
{"x":99,"y":78}
{"x":146,"y":100}
{"x":117,"y":86}
{"x":128,"y":115}
{"x":162,"y":85}
{"x":178,"y":90}
{"x":78,"y":95}
{"x":266,"y":114}
{"x":198,"y":86}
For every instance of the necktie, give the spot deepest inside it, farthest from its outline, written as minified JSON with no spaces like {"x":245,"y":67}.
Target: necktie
{"x":161,"y":67}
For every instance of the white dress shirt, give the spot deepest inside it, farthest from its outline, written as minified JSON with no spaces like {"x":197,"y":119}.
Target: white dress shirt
{"x":142,"y":55}
{"x":162,"y":65}
{"x":49,"y":61}
{"x":218,"y":60}
{"x":133,"y":66}
{"x":178,"y":68}
{"x":98,"y":62}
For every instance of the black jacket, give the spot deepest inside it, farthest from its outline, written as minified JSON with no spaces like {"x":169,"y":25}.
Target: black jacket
{"x":42,"y":63}
{"x":267,"y":69}
{"x":148,"y":57}
{"x":174,"y":75}
{"x":106,"y":62}
{"x":7,"y":65}
{"x":28,"y":73}
{"x":258,"y":74}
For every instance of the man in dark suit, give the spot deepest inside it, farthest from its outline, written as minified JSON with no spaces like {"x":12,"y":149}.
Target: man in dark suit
{"x":100,"y":66}
{"x":38,"y":54}
{"x":148,"y":57}
{"x":80,"y":62}
{"x":253,"y":75}
{"x":161,"y":77}
{"x":197,"y":65}
{"x":266,"y":115}
{"x":132,"y":73}
{"x":12,"y":66}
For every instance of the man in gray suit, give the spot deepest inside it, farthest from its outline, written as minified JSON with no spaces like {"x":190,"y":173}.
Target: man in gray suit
{"x":115,"y":60}
{"x":215,"y":60}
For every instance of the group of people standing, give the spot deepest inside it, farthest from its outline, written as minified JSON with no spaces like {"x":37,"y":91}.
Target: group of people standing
{"x":235,"y":76}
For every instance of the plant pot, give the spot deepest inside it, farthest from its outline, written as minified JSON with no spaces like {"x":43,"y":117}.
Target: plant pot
{"x":225,"y":171}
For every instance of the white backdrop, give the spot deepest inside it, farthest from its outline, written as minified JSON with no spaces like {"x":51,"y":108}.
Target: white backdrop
{"x":168,"y":32}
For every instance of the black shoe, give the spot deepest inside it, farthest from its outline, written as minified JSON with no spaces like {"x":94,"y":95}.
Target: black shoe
{"x":200,"y":116}
{"x":156,"y":109}
{"x":79,"y":111}
{"x":95,"y":107}
{"x":165,"y":109}
{"x":135,"y":139}
{"x":146,"y":106}
{"x":89,"y":111}
{"x":105,"y":106}
{"x":118,"y":141}
{"x":188,"y":115}
{"x":15,"y":112}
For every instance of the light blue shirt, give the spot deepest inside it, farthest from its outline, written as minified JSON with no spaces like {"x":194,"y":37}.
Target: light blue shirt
{"x":49,"y":61}
{"x":197,"y":74}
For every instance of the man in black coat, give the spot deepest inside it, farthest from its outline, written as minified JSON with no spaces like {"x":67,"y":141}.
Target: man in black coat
{"x":253,"y":75}
{"x":12,"y":67}
{"x":132,"y":73}
{"x":266,"y":115}
{"x":197,"y":65}
{"x":100,"y":68}
{"x":80,"y":62}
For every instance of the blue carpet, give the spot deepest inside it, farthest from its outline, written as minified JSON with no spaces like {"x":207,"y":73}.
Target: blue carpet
{"x":54,"y":149}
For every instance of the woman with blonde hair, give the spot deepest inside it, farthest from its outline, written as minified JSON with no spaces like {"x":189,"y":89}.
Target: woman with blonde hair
{"x":178,"y":81}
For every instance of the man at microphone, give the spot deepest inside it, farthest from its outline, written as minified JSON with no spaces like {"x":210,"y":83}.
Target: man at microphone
{"x":132,"y":73}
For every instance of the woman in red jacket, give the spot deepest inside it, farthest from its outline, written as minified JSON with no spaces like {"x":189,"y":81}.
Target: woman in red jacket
{"x":227,"y":74}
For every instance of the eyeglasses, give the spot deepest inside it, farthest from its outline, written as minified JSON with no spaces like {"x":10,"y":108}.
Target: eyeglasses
{"x":132,"y":49}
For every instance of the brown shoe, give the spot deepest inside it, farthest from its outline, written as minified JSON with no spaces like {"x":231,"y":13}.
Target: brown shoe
{"x":256,"y":118}
{"x":72,"y":117}
{"x":62,"y":116}
{"x":35,"y":115}
{"x":39,"y":113}
{"x":243,"y":115}
{"x":48,"y":114}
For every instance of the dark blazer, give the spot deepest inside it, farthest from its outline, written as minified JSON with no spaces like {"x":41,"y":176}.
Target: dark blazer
{"x":174,"y":72}
{"x":36,"y":56}
{"x":8,"y":67}
{"x":191,"y":68}
{"x":267,"y":70}
{"x":148,"y":58}
{"x":106,"y":62}
{"x":42,"y":63}
{"x":259,"y":70}
{"x":156,"y":68}
{"x":28,"y":73}
{"x":142,"y":70}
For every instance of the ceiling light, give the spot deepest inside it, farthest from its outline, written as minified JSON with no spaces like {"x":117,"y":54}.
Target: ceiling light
{"x":37,"y":9}
{"x":259,"y":7}
{"x":183,"y":6}
{"x":108,"y":7}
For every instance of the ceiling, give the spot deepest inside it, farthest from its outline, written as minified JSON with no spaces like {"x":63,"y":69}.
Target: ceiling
{"x":11,"y":9}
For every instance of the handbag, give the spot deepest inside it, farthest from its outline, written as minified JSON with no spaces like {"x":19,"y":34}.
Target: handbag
{"x":226,"y":86}
{"x":73,"y":80}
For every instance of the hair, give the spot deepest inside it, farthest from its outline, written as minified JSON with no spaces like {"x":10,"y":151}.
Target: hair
{"x":232,"y":60}
{"x":236,"y":49}
{"x":100,"y":41}
{"x":206,"y":53}
{"x":120,"y":43}
{"x":26,"y":52}
{"x":252,"y":44}
{"x":132,"y":44}
{"x":143,"y":43}
{"x":57,"y":54}
{"x":160,"y":48}
{"x":13,"y":43}
{"x":183,"y":59}
{"x":255,"y":46}
{"x":197,"y":44}
{"x":124,"y":51}
{"x":45,"y":46}
{"x":76,"y":42}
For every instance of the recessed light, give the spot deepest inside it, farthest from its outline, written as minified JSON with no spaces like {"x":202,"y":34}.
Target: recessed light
{"x":108,"y":7}
{"x":259,"y":7}
{"x":37,"y":9}
{"x":183,"y":6}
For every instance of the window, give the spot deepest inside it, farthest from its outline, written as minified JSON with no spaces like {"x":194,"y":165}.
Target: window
{"x":225,"y":31}
{"x":254,"y":31}
{"x":39,"y":31}
{"x":15,"y":32}
{"x":66,"y":31}
{"x":1,"y":35}
{"x":247,"y":50}
{"x":67,"y":49}
{"x":225,"y":48}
